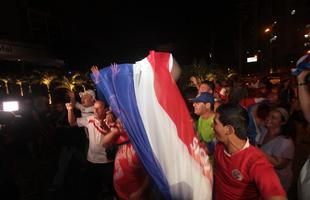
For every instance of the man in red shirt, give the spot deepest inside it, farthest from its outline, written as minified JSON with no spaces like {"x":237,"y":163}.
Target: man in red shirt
{"x":241,"y":170}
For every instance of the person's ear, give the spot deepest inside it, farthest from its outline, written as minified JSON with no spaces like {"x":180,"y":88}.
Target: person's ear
{"x":208,"y":105}
{"x":229,"y":129}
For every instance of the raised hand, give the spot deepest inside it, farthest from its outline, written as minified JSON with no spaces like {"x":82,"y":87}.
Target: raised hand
{"x":96,"y":73}
{"x":69,"y":106}
{"x":71,"y":95}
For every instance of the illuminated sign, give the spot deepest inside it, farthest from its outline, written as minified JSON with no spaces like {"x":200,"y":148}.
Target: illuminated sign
{"x":251,"y":59}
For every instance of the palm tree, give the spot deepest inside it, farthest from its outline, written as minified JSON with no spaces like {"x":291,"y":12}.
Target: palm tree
{"x":65,"y":83}
{"x":88,"y":81}
{"x":46,"y":79}
{"x":20,"y":83}
{"x":6,"y":81}
{"x":70,"y":83}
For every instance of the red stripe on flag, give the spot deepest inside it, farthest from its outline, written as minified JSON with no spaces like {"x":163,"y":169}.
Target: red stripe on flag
{"x":169,"y":96}
{"x":171,"y":100}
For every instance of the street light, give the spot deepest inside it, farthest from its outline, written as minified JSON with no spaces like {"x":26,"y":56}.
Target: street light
{"x":269,"y":32}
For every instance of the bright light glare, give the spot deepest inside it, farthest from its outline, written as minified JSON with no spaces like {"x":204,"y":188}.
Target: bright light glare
{"x":293,"y":12}
{"x":274,"y":38}
{"x":252,"y":59}
{"x":10,"y":106}
{"x":267,"y":30}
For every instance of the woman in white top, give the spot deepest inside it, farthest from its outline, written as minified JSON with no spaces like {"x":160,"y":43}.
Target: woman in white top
{"x":278,"y":146}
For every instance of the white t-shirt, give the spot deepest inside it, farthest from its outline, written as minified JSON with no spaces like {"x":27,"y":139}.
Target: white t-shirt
{"x":85,"y":111}
{"x":96,"y":152}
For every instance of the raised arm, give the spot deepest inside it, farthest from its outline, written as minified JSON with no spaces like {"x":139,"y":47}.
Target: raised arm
{"x":96,"y":73}
{"x":194,"y":81}
{"x":72,"y":97}
{"x":110,"y":137}
{"x":71,"y":116}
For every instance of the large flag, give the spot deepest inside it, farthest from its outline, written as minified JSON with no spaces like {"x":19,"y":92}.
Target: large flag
{"x":146,"y":98}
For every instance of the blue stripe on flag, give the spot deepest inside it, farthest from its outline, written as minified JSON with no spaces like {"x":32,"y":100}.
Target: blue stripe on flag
{"x":117,"y":85}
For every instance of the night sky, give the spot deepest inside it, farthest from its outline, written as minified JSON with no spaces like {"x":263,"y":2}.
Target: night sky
{"x":101,"y":32}
{"x":123,"y":31}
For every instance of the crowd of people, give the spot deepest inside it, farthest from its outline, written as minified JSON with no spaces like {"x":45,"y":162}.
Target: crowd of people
{"x":277,"y":134}
{"x":257,"y":136}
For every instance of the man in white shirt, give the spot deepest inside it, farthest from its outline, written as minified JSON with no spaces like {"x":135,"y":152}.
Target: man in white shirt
{"x":86,"y":106}
{"x":100,"y":168}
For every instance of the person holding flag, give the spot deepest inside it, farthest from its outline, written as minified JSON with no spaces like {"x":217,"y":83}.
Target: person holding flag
{"x":145,"y":97}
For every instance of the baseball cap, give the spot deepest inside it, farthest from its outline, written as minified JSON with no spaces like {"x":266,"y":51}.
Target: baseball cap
{"x":90,"y":92}
{"x":204,"y":97}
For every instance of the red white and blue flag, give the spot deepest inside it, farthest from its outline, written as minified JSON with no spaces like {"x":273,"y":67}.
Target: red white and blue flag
{"x":146,"y":98}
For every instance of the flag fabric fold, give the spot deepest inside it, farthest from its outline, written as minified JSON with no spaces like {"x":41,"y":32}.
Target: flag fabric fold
{"x":146,"y":98}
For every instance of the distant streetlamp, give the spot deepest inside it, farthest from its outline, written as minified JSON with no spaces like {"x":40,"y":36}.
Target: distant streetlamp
{"x":267,"y":30}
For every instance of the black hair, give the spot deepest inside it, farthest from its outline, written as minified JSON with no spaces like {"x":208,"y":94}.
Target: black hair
{"x":236,"y":116}
{"x":211,"y":105}
{"x":263,"y":109}
{"x":210,"y":84}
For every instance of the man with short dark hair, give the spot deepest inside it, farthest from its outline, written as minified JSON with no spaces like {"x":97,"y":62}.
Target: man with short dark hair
{"x":100,"y":168}
{"x":241,"y":170}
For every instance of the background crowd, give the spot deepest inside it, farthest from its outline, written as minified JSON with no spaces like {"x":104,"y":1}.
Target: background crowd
{"x":65,"y":143}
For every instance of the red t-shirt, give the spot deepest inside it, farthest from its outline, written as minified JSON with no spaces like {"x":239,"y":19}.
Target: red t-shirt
{"x":122,"y":138}
{"x":247,"y":102}
{"x":129,"y":173}
{"x":244,"y":175}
